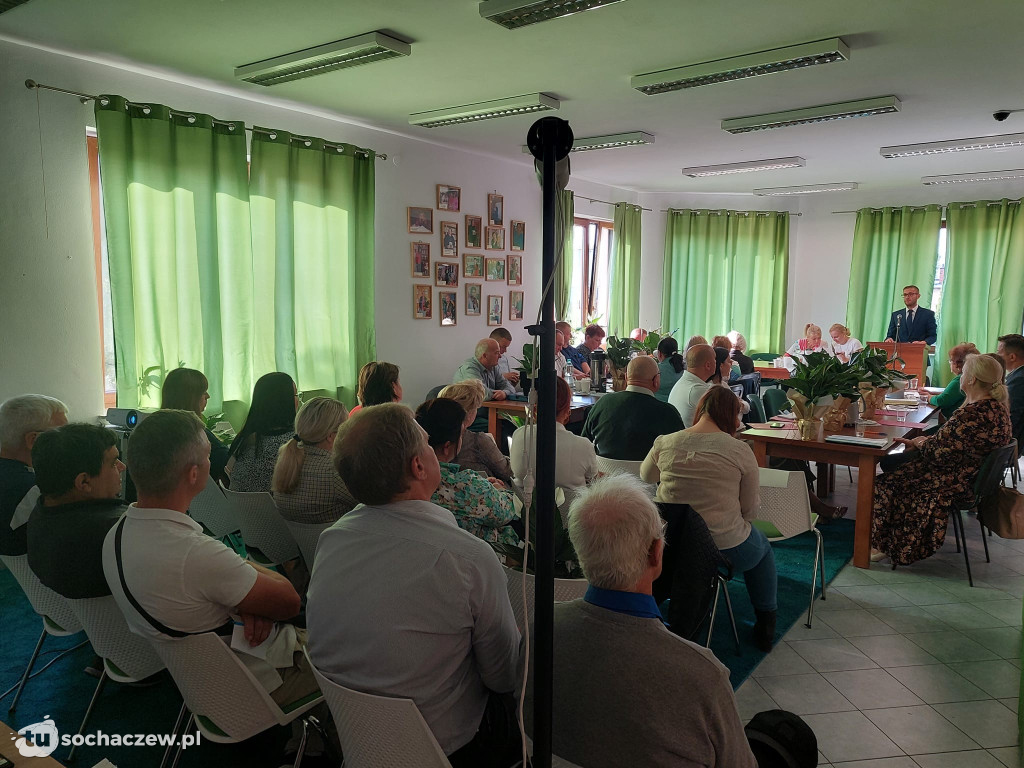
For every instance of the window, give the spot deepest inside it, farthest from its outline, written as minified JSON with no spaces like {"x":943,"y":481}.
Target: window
{"x":940,"y":272}
{"x":591,"y":251}
{"x":99,"y":243}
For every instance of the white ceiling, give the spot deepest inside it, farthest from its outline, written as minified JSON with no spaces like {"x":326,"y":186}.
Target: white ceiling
{"x":951,"y":62}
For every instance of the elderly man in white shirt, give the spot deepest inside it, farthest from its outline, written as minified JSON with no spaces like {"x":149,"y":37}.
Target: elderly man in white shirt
{"x":687,"y":392}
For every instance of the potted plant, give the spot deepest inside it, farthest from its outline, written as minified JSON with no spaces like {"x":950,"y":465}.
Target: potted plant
{"x":619,"y":352}
{"x":526,"y":367}
{"x":817,"y":381}
{"x":649,"y":345}
{"x":875,"y":377}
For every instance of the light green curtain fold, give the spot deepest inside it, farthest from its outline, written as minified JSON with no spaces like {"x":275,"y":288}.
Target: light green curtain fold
{"x":564,"y":274}
{"x":313,"y":240}
{"x":727,"y":270}
{"x":892,"y":247}
{"x":624,"y":269}
{"x":983,"y":293}
{"x":176,"y":207}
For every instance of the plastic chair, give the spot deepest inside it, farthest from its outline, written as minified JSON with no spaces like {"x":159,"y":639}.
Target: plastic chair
{"x":267,"y":539}
{"x":307,"y":535}
{"x":223,"y":699}
{"x":565,"y":590}
{"x":59,"y":619}
{"x":785,"y":512}
{"x":433,"y":392}
{"x":1014,"y":466}
{"x":988,"y":480}
{"x":751,"y":383}
{"x":214,"y":511}
{"x":765,"y":356}
{"x":609,"y":466}
{"x":380,"y":731}
{"x":757,"y":413}
{"x":775,"y":402}
{"x":127,"y":657}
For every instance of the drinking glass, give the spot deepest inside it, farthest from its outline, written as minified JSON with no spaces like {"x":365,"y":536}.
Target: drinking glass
{"x":912,"y":384}
{"x":901,"y":414}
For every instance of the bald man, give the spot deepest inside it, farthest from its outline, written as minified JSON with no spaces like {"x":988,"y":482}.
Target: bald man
{"x":483,"y":366}
{"x":687,"y":392}
{"x":623,"y":425}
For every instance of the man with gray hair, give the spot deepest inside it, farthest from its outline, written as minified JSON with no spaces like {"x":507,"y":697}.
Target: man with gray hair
{"x":22,"y":420}
{"x":483,"y":366}
{"x":626,"y":690}
{"x":404,"y":603}
{"x":693,"y":384}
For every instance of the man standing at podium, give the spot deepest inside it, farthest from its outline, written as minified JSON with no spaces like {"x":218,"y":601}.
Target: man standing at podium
{"x":916,"y":324}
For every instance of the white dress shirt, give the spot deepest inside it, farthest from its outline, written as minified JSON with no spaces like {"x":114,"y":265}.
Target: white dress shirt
{"x":686,"y":394}
{"x":575,"y":458}
{"x":848,"y":348}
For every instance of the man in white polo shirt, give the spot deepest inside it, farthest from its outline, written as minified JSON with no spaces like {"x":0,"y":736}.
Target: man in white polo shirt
{"x":693,"y":384}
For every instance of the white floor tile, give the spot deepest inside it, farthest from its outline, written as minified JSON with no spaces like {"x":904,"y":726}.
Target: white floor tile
{"x":928,"y":593}
{"x":783,"y":660}
{"x":937,"y":684}
{"x":1007,"y":611}
{"x":751,"y":699}
{"x":885,"y":762}
{"x":845,"y":736}
{"x":855,"y":623}
{"x":872,"y":689}
{"x":876,"y":596}
{"x":1008,"y":756}
{"x":818,"y":631}
{"x":1011,"y":703}
{"x":912,"y":619}
{"x":999,"y":679}
{"x":807,"y":694}
{"x":919,"y":730}
{"x":951,"y":646}
{"x":893,"y":651}
{"x":1004,"y":641}
{"x":978,"y":758}
{"x":966,"y":616}
{"x":987,"y":722}
{"x":832,"y":655}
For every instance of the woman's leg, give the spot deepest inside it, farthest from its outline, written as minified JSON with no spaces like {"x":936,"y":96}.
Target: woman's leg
{"x":754,"y":559}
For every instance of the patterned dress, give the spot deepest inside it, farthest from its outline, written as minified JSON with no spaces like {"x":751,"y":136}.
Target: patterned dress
{"x":479,"y":507}
{"x":913,"y":502}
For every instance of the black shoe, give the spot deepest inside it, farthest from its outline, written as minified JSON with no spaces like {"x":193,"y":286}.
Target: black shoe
{"x":764,"y":630}
{"x":95,"y":667}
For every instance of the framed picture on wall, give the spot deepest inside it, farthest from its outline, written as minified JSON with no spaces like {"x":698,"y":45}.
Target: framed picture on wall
{"x":495,"y":239}
{"x":472,"y":265}
{"x":420,"y":220}
{"x":515,"y":305}
{"x":515,"y":271}
{"x":449,"y":239}
{"x":474,"y":232}
{"x":495,"y":268}
{"x":448,"y":198}
{"x":518,"y":235}
{"x":421,"y":309}
{"x":474,"y":298}
{"x":494,"y":310}
{"x":447,"y":299}
{"x":446,"y":273}
{"x":420,"y":259}
{"x":496,"y":210}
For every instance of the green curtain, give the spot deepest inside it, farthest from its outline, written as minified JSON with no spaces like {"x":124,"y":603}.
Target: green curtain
{"x":564,"y":273}
{"x":624,"y":271}
{"x":176,"y":206}
{"x":892,"y":247}
{"x":313,"y":238}
{"x":983,"y":294}
{"x":727,"y":270}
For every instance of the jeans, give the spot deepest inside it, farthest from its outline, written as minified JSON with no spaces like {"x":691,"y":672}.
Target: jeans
{"x":497,"y":743}
{"x":754,"y":559}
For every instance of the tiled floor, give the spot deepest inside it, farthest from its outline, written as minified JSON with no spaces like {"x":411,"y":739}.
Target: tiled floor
{"x":909,"y":668}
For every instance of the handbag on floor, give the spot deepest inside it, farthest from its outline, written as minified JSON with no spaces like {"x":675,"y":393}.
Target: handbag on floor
{"x":1003,"y":512}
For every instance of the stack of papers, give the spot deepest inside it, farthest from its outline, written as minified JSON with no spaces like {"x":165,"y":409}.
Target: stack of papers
{"x":900,"y":401}
{"x":872,"y":442}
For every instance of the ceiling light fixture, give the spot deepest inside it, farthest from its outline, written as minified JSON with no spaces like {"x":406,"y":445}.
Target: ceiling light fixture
{"x":350,"y":52}
{"x":739,"y":67}
{"x":753,"y":165}
{"x":981,"y":176}
{"x":484,"y":110}
{"x":611,"y":141}
{"x":1003,"y":141}
{"x":862,"y":108}
{"x":513,"y":14}
{"x":839,"y":186}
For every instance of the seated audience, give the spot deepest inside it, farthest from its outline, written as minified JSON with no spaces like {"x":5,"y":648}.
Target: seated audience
{"x":913,"y":502}
{"x":811,"y":342}
{"x":185,"y":389}
{"x":671,"y":366}
{"x":79,"y":476}
{"x":306,"y":487}
{"x":626,"y":691}
{"x":722,"y":342}
{"x":952,"y":396}
{"x":483,"y":367}
{"x":593,"y":338}
{"x":268,"y":426}
{"x":378,"y":383}
{"x":639,"y":334}
{"x":739,"y":349}
{"x":725,"y":368}
{"x":403,"y":603}
{"x":580,"y":367}
{"x":623,"y":425}
{"x":692,"y":342}
{"x":1011,"y":350}
{"x":560,"y":361}
{"x":701,"y":364}
{"x":22,"y":420}
{"x":480,"y":505}
{"x":479,"y":452}
{"x":575,"y":459}
{"x":706,"y":467}
{"x":504,"y":339}
{"x":843,"y":345}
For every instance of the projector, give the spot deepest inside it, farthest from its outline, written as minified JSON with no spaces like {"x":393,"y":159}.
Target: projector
{"x":126,"y":417}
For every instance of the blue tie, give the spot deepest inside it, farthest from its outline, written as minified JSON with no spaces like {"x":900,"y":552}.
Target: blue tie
{"x":910,"y":322}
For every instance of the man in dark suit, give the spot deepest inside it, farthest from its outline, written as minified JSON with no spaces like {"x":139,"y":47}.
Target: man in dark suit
{"x":914,"y":323}
{"x":1011,"y":349}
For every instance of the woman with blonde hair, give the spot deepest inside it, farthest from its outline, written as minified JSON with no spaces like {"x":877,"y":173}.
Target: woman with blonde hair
{"x":306,"y":487}
{"x":811,"y":342}
{"x":843,"y":345}
{"x":952,"y":397}
{"x":378,"y":383}
{"x":913,"y":502}
{"x":478,"y":451}
{"x":739,"y":350}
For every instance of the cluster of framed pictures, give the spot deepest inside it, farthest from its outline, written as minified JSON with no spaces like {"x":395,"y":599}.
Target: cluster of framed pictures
{"x":490,"y":268}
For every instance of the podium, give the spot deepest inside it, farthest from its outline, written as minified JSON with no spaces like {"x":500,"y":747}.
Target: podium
{"x":914,"y":356}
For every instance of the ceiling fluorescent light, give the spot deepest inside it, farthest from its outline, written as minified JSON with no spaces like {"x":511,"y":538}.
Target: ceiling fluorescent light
{"x":484,"y":110}
{"x":350,"y":52}
{"x":839,"y":186}
{"x":753,"y":165}
{"x":739,"y":67}
{"x":1004,"y":141}
{"x":513,"y":14}
{"x":862,"y":108}
{"x":964,"y":178}
{"x":611,"y":141}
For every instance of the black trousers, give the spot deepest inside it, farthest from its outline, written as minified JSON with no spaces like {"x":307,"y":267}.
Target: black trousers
{"x":497,"y":743}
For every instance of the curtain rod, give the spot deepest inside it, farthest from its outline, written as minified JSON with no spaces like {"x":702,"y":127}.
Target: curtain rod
{"x":86,"y":97}
{"x":738,"y":213}
{"x":941,"y":207}
{"x":595,"y":200}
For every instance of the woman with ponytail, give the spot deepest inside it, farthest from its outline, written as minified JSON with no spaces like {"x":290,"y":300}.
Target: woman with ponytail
{"x":306,"y":487}
{"x":913,"y":502}
{"x":670,"y":365}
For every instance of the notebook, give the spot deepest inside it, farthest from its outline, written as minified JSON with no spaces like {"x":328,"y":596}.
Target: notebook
{"x":871,"y":442}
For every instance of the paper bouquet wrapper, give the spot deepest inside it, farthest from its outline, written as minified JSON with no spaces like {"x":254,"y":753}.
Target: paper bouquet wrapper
{"x":805,"y":410}
{"x":835,"y":417}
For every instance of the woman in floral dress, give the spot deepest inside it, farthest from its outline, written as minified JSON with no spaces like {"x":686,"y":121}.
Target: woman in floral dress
{"x":913,"y":502}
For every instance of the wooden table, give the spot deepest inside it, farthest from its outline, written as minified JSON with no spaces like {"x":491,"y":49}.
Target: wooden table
{"x":8,"y":750}
{"x":771,"y":373}
{"x":786,"y":443}
{"x":580,"y":405}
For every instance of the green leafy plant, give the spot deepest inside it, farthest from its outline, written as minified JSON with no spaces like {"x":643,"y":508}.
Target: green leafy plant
{"x":527,"y":360}
{"x":220,"y":428}
{"x":820,"y":375}
{"x":619,"y":351}
{"x":872,"y":365}
{"x":151,"y":377}
{"x":650,"y":343}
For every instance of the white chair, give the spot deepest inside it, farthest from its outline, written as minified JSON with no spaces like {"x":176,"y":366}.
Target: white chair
{"x":307,"y":535}
{"x":565,"y":590}
{"x":786,"y":508}
{"x":267,"y":539}
{"x":608,"y":466}
{"x":58,"y":618}
{"x":127,"y":657}
{"x":380,"y":731}
{"x":224,"y":701}
{"x":213,"y":510}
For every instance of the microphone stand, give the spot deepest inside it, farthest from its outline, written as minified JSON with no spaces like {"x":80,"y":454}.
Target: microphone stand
{"x":897,"y":347}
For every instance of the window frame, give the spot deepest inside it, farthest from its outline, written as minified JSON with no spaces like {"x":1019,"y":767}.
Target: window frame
{"x":92,"y":148}
{"x":603,"y":229}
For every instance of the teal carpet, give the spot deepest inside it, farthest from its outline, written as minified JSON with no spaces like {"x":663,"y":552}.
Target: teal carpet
{"x":793,"y":560}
